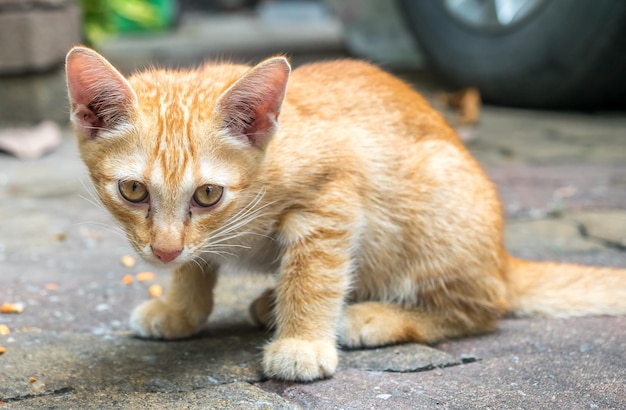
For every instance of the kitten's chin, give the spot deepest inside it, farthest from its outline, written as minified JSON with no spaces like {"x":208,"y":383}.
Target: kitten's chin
{"x":174,"y":264}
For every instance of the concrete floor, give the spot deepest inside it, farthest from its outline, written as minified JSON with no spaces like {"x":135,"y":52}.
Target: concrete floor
{"x":562,"y":178}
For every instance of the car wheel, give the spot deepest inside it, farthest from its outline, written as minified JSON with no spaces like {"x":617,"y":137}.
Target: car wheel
{"x":529,"y":53}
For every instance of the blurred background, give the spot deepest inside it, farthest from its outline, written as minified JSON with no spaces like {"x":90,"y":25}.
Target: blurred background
{"x":549,"y":54}
{"x":534,"y":54}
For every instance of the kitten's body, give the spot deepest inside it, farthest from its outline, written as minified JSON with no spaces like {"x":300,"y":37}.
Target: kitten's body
{"x":379,"y":224}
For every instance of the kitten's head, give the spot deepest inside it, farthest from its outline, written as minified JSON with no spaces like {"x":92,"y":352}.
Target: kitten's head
{"x":173,"y":154}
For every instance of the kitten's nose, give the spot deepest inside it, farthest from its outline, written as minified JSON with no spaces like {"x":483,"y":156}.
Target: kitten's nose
{"x":166,"y":255}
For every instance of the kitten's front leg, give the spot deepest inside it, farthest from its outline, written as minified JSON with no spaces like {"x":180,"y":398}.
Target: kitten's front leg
{"x":313,"y":279}
{"x":185,"y":309}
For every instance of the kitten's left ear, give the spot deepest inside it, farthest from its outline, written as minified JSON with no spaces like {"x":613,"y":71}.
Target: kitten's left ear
{"x":249,"y":109}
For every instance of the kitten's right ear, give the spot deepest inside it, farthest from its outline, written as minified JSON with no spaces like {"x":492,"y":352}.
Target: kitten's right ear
{"x":100,"y":96}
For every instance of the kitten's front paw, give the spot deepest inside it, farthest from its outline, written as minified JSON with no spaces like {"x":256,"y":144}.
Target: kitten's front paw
{"x":156,"y":320}
{"x":300,"y":360}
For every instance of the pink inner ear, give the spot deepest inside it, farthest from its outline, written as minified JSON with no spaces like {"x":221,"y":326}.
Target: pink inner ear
{"x":99,"y":94}
{"x":86,"y":118}
{"x":80,"y":80}
{"x":252,"y":105}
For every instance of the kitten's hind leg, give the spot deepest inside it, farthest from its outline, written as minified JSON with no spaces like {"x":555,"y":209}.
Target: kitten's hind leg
{"x":371,"y":324}
{"x":185,"y":308}
{"x":262,"y":309}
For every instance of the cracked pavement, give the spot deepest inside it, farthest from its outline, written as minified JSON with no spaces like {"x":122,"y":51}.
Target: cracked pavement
{"x":61,"y":258}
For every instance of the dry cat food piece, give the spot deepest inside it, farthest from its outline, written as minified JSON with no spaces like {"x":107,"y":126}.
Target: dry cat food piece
{"x":12,"y":308}
{"x":145,"y":276}
{"x":60,"y":237}
{"x":128,"y":261}
{"x":32,"y":379}
{"x":155,"y":291}
{"x":127,"y":279}
{"x":52,"y":286}
{"x":2,"y":350}
{"x":4,"y":330}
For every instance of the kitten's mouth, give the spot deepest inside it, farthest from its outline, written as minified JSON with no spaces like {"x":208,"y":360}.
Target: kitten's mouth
{"x":163,"y":258}
{"x":173,"y":264}
{"x":166,"y":255}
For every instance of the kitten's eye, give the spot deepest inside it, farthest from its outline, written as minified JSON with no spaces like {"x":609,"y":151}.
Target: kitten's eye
{"x":133,"y":191}
{"x":208,"y":195}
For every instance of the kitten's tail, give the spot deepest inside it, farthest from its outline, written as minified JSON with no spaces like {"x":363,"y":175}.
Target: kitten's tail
{"x":565,"y":290}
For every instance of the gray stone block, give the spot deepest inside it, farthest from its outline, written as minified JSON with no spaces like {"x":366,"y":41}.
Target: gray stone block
{"x":35,"y":39}
{"x":30,"y":98}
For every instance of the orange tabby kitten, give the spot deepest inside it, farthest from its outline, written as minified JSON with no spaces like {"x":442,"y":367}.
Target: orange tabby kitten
{"x":379,"y":225}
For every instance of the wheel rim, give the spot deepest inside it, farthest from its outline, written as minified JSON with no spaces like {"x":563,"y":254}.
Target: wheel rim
{"x":490,"y":15}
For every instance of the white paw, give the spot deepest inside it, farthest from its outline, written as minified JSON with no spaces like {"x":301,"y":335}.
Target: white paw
{"x":154,"y":319}
{"x":300,"y":360}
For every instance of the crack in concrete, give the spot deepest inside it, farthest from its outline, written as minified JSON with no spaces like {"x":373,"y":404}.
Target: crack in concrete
{"x":462,"y":361}
{"x":584,"y":232}
{"x":63,"y":391}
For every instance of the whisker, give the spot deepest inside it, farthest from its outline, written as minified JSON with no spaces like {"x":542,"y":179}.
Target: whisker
{"x":220,"y":253}
{"x":94,"y":202}
{"x":244,"y":220}
{"x":243,"y":213}
{"x":233,"y":245}
{"x":197,"y":263}
{"x":228,"y":235}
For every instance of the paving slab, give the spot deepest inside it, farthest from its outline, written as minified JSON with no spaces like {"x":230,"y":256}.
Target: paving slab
{"x":526,"y":364}
{"x":512,"y":136}
{"x":537,"y":191}
{"x":608,"y":226}
{"x":52,"y":364}
{"x":548,"y":235}
{"x":83,"y":362}
{"x":232,"y":396}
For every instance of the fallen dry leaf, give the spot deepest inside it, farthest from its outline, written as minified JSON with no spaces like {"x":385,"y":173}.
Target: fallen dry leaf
{"x":128,"y":261}
{"x":12,"y":308}
{"x":4,"y":330}
{"x":155,"y":291}
{"x":144,"y":276}
{"x":127,"y":279}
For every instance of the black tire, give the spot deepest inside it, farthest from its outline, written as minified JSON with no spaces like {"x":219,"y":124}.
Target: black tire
{"x":567,"y":54}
